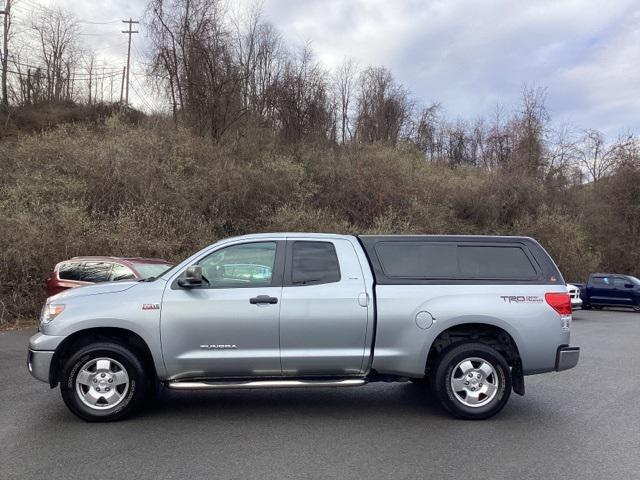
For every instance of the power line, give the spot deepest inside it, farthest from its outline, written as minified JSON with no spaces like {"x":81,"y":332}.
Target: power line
{"x":110,"y":47}
{"x":43,"y":8}
{"x":72,"y":77}
{"x":99,"y":23}
{"x":115,"y":69}
{"x":140,"y":96}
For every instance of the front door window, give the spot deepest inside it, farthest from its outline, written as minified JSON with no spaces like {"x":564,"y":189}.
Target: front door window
{"x":238,"y":266}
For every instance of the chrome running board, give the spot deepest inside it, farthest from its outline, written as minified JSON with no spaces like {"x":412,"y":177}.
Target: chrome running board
{"x":222,"y":385}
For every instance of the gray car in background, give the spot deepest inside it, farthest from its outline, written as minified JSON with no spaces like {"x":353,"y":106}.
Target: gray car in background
{"x":468,"y":316}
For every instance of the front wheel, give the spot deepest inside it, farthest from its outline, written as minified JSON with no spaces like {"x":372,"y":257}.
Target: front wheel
{"x":103,"y":381}
{"x":472,"y":381}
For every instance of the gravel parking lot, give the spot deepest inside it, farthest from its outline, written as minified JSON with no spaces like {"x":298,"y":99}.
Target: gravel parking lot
{"x":579,"y":424}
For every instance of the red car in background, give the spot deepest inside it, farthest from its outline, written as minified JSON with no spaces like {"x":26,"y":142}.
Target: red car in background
{"x":80,"y":271}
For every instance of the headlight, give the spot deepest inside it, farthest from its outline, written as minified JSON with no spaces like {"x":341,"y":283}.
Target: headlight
{"x":49,"y":312}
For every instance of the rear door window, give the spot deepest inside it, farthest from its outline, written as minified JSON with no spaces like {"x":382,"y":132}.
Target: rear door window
{"x":602,"y":282}
{"x":314,"y":263}
{"x":96,"y":272}
{"x":70,"y":271}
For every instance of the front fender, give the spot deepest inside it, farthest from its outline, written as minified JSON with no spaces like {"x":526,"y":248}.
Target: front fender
{"x":136,"y":310}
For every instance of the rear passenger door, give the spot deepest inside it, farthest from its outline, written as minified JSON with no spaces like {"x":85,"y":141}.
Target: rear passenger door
{"x":623,"y":295}
{"x":601,"y":291}
{"x":323,"y":316}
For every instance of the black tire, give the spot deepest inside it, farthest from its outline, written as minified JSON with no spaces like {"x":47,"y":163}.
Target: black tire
{"x":134,"y":394}
{"x":447,"y":362}
{"x":586,"y":306}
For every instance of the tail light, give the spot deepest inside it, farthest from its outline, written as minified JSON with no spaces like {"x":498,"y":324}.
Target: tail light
{"x":560,"y":302}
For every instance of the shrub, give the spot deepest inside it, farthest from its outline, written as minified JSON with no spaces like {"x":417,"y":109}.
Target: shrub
{"x":148,"y":189}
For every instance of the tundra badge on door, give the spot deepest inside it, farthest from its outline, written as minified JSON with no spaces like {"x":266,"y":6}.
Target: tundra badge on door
{"x":218,"y":346}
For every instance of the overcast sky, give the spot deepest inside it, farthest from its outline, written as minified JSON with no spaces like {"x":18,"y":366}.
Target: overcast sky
{"x":467,"y":54}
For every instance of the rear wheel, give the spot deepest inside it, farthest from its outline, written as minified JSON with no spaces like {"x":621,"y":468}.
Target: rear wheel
{"x":103,"y":381}
{"x":636,"y":308}
{"x":472,"y":381}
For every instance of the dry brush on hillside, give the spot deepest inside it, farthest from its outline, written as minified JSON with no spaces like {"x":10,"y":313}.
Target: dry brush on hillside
{"x":153,"y":190}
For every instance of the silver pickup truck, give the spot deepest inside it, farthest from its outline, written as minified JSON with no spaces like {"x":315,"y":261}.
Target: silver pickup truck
{"x":468,"y":316}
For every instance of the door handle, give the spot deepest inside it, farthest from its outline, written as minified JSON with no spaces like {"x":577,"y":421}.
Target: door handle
{"x":263,"y":299}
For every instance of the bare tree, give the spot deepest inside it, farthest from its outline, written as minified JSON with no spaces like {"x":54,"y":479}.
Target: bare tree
{"x":193,"y":59}
{"x":302,"y":102}
{"x":428,"y":132}
{"x":595,"y":157}
{"x":89,"y":64}
{"x":529,"y":129}
{"x":561,"y":153}
{"x":344,"y":84}
{"x":57,"y":36}
{"x":384,"y":107}
{"x":7,"y":35}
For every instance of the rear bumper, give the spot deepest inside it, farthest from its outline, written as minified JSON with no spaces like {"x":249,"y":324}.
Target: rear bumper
{"x":39,"y":364}
{"x":567,"y":357}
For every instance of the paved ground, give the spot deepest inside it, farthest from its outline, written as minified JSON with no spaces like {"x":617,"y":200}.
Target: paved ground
{"x":581,"y":424}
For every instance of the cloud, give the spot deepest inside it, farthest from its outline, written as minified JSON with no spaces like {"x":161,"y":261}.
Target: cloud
{"x":467,"y":54}
{"x":472,"y":54}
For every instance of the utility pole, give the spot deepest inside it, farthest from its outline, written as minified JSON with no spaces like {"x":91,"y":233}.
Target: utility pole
{"x":5,"y":50}
{"x":129,"y":32}
{"x":122,"y":85}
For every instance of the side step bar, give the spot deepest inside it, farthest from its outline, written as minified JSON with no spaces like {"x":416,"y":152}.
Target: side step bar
{"x":222,"y":385}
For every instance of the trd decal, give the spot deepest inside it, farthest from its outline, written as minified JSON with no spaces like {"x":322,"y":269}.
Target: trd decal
{"x":521,"y":299}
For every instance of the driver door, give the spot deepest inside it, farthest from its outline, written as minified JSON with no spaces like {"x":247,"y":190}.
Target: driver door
{"x":229,"y":326}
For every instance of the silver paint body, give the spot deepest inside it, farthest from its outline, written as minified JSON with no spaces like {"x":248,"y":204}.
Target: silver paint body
{"x":313,"y":330}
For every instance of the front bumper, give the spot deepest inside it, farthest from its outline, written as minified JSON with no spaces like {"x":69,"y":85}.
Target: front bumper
{"x":576,"y":302}
{"x":41,"y":350}
{"x":39,"y":364}
{"x":567,"y":357}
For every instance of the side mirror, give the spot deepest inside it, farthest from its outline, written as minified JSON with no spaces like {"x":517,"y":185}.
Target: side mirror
{"x":192,"y":277}
{"x":628,"y":285}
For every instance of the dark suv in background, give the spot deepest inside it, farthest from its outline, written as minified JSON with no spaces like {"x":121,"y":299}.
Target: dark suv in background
{"x":80,"y":271}
{"x":610,"y":290}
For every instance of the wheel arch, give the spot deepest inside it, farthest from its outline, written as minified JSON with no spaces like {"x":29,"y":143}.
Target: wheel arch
{"x":484,"y":331}
{"x":87,"y":336}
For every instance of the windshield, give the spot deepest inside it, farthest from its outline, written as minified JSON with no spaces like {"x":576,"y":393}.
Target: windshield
{"x":151,"y":270}
{"x":634,"y":280}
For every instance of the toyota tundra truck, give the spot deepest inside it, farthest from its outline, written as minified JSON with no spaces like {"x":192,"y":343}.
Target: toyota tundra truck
{"x":466,"y":316}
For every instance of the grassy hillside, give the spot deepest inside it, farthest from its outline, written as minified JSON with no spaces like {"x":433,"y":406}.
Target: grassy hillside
{"x":156,"y":190}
